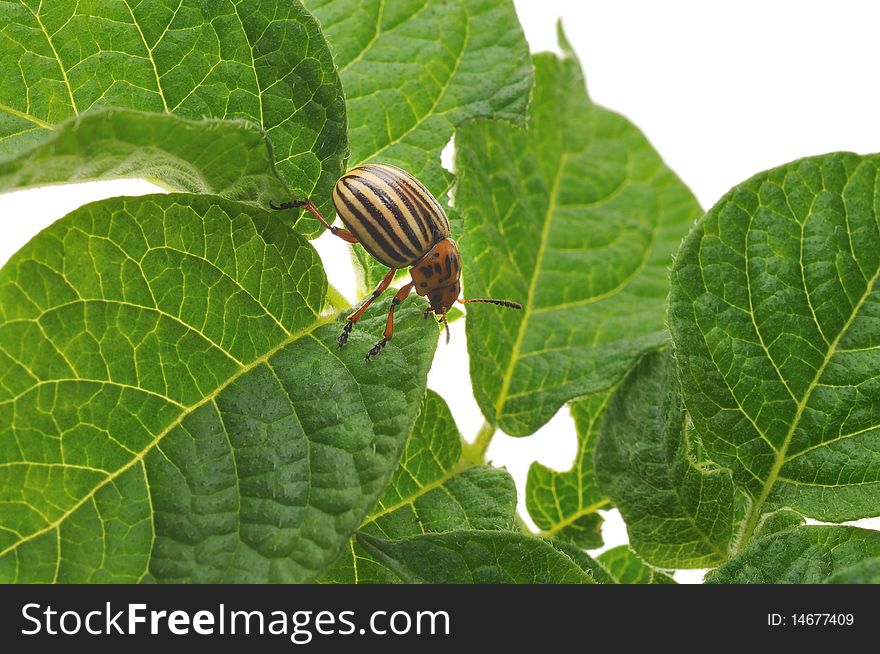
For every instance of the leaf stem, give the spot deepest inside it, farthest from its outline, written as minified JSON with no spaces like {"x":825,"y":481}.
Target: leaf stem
{"x":475,"y":452}
{"x":335,"y":300}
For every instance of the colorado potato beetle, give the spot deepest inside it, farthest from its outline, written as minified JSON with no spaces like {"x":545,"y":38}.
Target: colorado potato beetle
{"x":398,"y":222}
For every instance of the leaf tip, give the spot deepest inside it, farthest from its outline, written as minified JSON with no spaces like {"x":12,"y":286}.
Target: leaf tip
{"x":564,"y":43}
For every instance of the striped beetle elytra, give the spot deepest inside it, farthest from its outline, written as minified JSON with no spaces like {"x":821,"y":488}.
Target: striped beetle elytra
{"x":399,"y":223}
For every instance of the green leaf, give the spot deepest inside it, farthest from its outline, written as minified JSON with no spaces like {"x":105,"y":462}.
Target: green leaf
{"x":679,"y":511}
{"x":232,"y":159}
{"x":475,"y":557}
{"x":576,"y":218}
{"x":414,"y":70}
{"x":780,"y":520}
{"x":806,"y":555}
{"x":431,"y":490}
{"x":258,"y":60}
{"x":564,"y":505}
{"x":173,"y":405}
{"x":864,"y":572}
{"x":586,"y":562}
{"x":626,"y":567}
{"x":775,"y":314}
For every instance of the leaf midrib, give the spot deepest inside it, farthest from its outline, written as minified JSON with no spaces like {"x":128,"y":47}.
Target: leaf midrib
{"x":533,"y":282}
{"x":380,"y":13}
{"x":323,"y":320}
{"x":781,"y":453}
{"x":149,"y":50}
{"x":36,"y":15}
{"x":574,"y":517}
{"x":440,"y":95}
{"x":423,"y":490}
{"x":529,"y":309}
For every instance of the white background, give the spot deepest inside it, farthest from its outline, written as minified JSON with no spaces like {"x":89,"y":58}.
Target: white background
{"x":722,"y":89}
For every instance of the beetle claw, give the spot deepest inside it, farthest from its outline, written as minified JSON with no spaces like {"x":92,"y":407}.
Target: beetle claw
{"x":343,"y":337}
{"x":374,"y":351}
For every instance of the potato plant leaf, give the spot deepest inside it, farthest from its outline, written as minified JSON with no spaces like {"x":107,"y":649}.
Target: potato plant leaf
{"x":265,"y":62}
{"x":864,"y":572}
{"x":413,"y":71}
{"x":576,"y":218}
{"x":173,"y":406}
{"x":805,"y":555}
{"x":431,"y":490}
{"x":679,"y":511}
{"x":475,"y":557}
{"x":586,"y":562}
{"x":232,"y":159}
{"x":625,"y":567}
{"x":780,"y":520}
{"x":775,"y":315}
{"x":565,"y":505}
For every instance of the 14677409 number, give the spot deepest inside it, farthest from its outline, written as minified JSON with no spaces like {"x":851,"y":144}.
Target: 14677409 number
{"x":810,"y":619}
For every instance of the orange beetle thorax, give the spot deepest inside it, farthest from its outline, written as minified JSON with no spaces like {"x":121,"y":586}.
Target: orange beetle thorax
{"x":436,"y":275}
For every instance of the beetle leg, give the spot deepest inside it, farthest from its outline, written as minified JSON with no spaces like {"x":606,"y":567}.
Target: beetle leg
{"x":353,"y":318}
{"x":389,"y":323}
{"x":344,"y":234}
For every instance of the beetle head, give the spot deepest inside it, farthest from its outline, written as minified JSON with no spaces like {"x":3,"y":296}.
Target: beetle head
{"x":436,"y":275}
{"x":442,"y":299}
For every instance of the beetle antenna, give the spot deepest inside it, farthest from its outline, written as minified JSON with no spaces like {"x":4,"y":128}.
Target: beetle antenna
{"x":446,"y":325}
{"x":502,"y":303}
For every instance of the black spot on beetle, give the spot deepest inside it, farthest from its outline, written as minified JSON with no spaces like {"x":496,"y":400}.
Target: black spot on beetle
{"x":426,"y":271}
